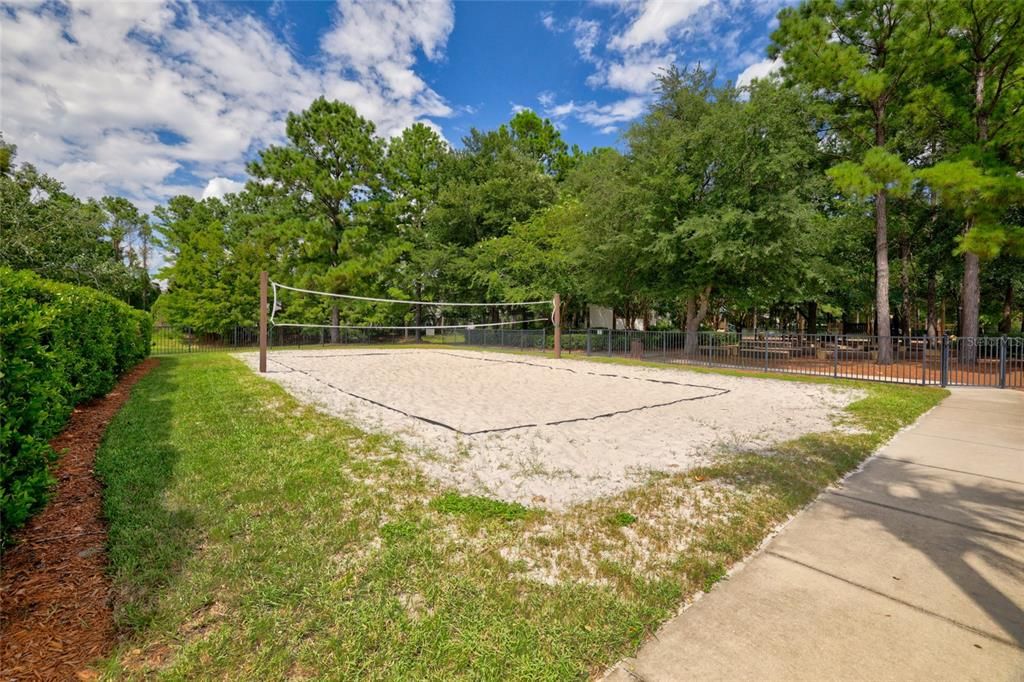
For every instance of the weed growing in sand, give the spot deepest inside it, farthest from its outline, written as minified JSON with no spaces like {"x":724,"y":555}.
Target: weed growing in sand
{"x":480,"y":508}
{"x":621,"y":519}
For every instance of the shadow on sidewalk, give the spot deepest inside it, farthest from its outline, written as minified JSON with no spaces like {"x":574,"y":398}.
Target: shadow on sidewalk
{"x":980,"y":529}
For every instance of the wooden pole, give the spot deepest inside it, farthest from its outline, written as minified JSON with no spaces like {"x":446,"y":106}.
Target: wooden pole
{"x":263,"y":322}
{"x":557,"y":318}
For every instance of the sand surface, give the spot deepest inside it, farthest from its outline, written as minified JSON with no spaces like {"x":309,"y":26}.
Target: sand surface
{"x":548,"y":432}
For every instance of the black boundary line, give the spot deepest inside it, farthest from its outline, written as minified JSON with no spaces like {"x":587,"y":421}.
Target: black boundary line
{"x":721,"y":391}
{"x":371,"y":400}
{"x":337,"y":355}
{"x":915,"y":607}
{"x":600,"y":416}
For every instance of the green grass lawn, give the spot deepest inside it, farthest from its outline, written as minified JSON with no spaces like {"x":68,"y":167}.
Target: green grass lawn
{"x":253,"y":538}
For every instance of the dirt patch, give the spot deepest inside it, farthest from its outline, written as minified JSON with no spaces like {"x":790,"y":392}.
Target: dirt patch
{"x":56,"y":614}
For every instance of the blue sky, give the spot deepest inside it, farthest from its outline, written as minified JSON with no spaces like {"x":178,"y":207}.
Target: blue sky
{"x":148,"y":100}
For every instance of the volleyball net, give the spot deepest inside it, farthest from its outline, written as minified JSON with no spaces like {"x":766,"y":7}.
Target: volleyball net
{"x":301,"y":316}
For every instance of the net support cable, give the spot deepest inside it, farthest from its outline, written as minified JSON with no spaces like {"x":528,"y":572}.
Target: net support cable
{"x":468,"y":325}
{"x":399,"y":300}
{"x":439,"y":304}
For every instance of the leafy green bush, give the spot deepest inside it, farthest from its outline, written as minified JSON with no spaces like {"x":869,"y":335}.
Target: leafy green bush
{"x":60,"y":344}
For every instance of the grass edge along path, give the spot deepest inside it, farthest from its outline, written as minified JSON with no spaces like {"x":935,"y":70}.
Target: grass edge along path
{"x":252,"y":537}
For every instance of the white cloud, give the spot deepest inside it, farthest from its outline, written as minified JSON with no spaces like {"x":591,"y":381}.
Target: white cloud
{"x":585,"y":33}
{"x":636,"y":73}
{"x":617,"y":112}
{"x":219,"y":187}
{"x":604,"y":117}
{"x":656,"y":21}
{"x":518,"y":108}
{"x":585,"y":36}
{"x":369,"y":31}
{"x":143,"y":99}
{"x":760,"y":69}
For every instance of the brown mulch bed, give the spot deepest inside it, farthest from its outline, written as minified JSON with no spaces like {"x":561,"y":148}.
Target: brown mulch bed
{"x":56,"y":616}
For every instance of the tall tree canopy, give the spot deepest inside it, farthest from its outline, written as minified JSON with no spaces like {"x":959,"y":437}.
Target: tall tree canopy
{"x":875,"y":183}
{"x":858,"y":57}
{"x":103,"y":244}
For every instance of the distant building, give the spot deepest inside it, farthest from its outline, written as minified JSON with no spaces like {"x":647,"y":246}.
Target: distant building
{"x":601,"y":318}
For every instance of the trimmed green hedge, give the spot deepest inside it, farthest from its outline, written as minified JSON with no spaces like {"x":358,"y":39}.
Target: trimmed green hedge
{"x":60,"y":344}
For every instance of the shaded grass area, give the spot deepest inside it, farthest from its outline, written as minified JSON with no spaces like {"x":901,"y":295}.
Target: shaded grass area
{"x":252,"y":537}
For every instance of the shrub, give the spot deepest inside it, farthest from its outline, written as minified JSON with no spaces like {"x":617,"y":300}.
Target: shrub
{"x":60,"y":344}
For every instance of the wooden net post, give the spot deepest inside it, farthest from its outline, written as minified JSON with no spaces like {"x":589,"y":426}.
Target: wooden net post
{"x":263,"y":322}
{"x":557,"y":319}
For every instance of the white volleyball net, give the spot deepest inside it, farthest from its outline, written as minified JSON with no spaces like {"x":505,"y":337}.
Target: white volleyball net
{"x":300,"y":316}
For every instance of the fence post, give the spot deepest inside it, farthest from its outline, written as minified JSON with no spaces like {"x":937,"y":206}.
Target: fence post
{"x":944,"y":362}
{"x":766,"y":350}
{"x":924,"y":360}
{"x":610,"y":341}
{"x":263,"y":321}
{"x":835,"y":359}
{"x":588,"y":341}
{"x":664,"y":345}
{"x":557,"y":319}
{"x":1002,"y":361}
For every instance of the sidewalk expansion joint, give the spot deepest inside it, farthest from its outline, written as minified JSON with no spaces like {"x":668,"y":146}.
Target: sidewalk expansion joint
{"x":962,"y":440}
{"x":963,"y":626}
{"x":955,"y":471}
{"x":922,"y":515}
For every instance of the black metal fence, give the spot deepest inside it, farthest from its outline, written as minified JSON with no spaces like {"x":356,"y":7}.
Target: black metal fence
{"x":940,"y":361}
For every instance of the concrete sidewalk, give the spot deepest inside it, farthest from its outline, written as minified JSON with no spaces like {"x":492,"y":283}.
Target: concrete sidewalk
{"x":912,"y":570}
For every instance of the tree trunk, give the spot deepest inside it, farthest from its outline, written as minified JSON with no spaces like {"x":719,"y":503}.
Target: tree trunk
{"x":335,"y":332}
{"x":695,"y":313}
{"x":906,"y":306}
{"x":882,"y":279}
{"x":971,"y":290}
{"x":969,"y":306}
{"x":1006,"y":321}
{"x":812,"y":317}
{"x":933,"y":320}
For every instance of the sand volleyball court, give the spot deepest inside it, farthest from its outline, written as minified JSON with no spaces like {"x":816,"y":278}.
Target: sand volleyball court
{"x":550,"y":432}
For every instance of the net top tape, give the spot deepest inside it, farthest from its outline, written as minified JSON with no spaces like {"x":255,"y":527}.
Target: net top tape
{"x":396,"y":300}
{"x":430,"y":326}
